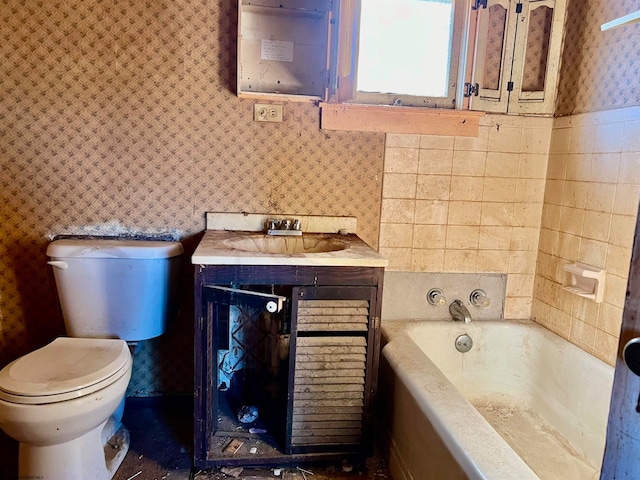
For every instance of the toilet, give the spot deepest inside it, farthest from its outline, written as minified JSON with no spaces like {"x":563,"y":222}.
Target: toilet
{"x":63,"y":403}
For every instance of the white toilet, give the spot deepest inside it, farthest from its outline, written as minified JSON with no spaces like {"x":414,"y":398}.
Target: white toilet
{"x":63,"y":403}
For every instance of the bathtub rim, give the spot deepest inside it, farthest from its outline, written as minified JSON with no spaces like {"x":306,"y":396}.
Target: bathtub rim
{"x":478,"y":459}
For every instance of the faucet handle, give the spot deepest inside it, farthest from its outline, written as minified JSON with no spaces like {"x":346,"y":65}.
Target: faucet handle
{"x":436,"y":298}
{"x":479,"y":299}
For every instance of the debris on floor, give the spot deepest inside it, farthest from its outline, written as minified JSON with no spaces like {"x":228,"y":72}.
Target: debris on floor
{"x":232,"y":471}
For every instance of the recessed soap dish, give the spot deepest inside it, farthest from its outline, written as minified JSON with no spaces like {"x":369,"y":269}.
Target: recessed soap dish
{"x":586,"y":281}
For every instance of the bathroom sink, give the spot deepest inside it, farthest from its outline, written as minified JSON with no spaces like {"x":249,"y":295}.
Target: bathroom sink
{"x":227,"y":247}
{"x":304,"y":244}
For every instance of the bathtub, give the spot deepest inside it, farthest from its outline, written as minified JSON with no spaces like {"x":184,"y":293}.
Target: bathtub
{"x":521,"y":404}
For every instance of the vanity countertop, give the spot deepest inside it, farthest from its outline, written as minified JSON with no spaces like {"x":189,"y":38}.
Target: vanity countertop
{"x":223,"y":247}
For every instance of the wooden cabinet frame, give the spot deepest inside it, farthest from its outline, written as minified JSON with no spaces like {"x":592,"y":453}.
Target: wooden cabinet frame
{"x":307,"y":282}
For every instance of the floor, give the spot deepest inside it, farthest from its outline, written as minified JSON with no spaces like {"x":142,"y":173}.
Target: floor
{"x":161,"y":432}
{"x":161,"y":438}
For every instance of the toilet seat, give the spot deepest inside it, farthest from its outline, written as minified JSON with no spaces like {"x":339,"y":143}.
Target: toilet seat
{"x":64,"y":369}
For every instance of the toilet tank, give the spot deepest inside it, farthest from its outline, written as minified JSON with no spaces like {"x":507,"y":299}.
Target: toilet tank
{"x":116,"y":288}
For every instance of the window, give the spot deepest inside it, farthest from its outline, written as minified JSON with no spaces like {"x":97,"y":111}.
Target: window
{"x":403,"y":52}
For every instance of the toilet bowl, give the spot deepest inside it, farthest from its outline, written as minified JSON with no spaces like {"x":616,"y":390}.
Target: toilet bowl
{"x":63,"y":403}
{"x":55,"y":401}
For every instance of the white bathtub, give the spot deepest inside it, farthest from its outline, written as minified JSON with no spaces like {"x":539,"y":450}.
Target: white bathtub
{"x":546,"y":397}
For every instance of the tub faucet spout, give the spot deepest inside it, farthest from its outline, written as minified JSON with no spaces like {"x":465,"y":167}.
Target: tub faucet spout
{"x":459,"y":312}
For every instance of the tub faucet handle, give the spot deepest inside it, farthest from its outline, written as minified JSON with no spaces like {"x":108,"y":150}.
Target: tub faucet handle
{"x":436,"y":298}
{"x":479,"y":299}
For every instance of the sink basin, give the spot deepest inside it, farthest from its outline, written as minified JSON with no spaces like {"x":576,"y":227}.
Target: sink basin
{"x":236,"y":247}
{"x":285,"y":245}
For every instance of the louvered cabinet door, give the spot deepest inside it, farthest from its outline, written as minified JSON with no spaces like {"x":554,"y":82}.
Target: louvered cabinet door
{"x":334,"y":333}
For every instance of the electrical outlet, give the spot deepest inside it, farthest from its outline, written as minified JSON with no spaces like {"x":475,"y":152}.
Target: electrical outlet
{"x":266,"y":112}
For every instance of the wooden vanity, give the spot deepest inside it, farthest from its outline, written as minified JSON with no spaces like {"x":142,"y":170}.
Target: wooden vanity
{"x":290,"y":337}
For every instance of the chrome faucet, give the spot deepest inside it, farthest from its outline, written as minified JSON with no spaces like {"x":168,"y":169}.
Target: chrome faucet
{"x":459,"y":312}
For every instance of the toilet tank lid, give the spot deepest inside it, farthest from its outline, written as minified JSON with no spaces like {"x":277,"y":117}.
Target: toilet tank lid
{"x":116,"y":248}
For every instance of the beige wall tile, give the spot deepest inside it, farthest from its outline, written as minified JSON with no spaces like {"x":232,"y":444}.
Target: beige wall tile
{"x":536,"y":140}
{"x":520,"y":285}
{"x":401,"y":160}
{"x":522,"y":262}
{"x":626,"y":199}
{"x":575,"y":194}
{"x":629,"y":168}
{"x":399,"y":185}
{"x":554,"y":191}
{"x":578,"y":166}
{"x":618,"y":260}
{"x":571,"y":220}
{"x":622,"y":230}
{"x":396,"y":235}
{"x":527,"y":214}
{"x":469,"y":163}
{"x":402,"y":140}
{"x":583,"y":335}
{"x":596,"y":225}
{"x":631,"y":136}
{"x":582,"y":138}
{"x":517,"y":308}
{"x":610,"y":319}
{"x":548,"y":241}
{"x":586,"y":310}
{"x":429,"y":236}
{"x":560,"y":140}
{"x":435,"y":162}
{"x":495,"y":238}
{"x":557,"y":166}
{"x":427,"y":260}
{"x":530,"y":190}
{"x":397,"y":210}
{"x":478,"y":144}
{"x":568,"y":247}
{"x":615,"y":289}
{"x":605,"y":167}
{"x":431,"y":212}
{"x":502,"y":164}
{"x":533,"y":166}
{"x":460,"y":261}
{"x":499,"y":189}
{"x":498,"y":214}
{"x":551,"y":215}
{"x":606,"y":347}
{"x":466,"y":188}
{"x":433,"y":187}
{"x":506,"y":139}
{"x":399,"y":258}
{"x":464,"y":213}
{"x":600,"y":197}
{"x":437,"y":142}
{"x":593,"y":252}
{"x":492,"y":260}
{"x":462,"y":237}
{"x":608,"y":137}
{"x":524,"y":238}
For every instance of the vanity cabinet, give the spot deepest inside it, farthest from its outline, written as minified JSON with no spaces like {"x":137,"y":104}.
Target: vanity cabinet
{"x":308,"y":371}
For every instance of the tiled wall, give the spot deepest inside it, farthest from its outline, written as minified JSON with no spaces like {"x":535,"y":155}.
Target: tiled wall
{"x":590,"y":208}
{"x":458,"y":204}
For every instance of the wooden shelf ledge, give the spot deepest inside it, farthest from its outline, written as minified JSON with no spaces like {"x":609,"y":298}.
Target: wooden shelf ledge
{"x":390,"y":119}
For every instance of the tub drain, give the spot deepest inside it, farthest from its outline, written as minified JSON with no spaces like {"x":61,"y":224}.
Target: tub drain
{"x":464,"y":343}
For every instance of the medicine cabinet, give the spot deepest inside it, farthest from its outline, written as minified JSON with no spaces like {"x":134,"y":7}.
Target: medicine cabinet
{"x":517,"y":56}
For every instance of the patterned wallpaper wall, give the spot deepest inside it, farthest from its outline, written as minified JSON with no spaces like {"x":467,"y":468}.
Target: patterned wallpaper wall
{"x":599,"y":70}
{"x":120,"y":117}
